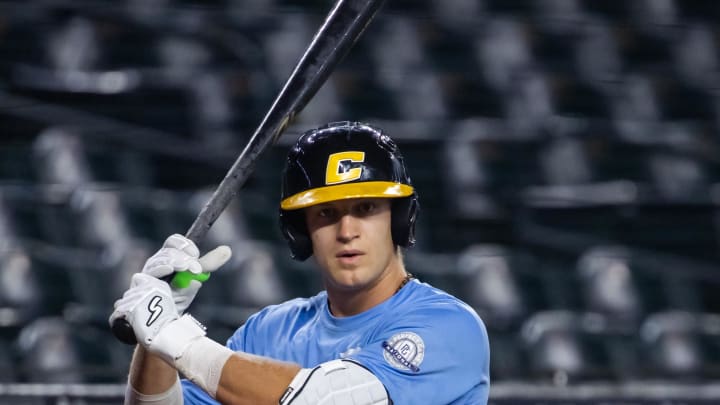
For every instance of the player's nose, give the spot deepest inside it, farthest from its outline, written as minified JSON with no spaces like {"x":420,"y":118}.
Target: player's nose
{"x":347,"y":228}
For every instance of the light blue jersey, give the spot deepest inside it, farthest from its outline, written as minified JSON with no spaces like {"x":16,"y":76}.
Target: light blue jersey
{"x":426,"y":346}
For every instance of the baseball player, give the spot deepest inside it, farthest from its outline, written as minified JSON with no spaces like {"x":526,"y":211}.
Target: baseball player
{"x":375,"y":335}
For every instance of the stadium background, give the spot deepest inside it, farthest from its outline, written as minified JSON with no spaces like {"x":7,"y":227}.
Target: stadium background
{"x":565,"y":152}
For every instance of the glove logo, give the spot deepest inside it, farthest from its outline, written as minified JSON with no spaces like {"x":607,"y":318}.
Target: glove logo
{"x":155,"y":310}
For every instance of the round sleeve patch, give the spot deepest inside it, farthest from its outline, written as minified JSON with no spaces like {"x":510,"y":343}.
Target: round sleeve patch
{"x":404,"y":351}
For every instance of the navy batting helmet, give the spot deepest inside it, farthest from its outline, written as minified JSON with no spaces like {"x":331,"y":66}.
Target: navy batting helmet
{"x":345,"y":160}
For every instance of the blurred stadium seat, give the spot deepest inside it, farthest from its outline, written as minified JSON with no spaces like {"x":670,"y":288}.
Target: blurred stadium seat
{"x":60,"y":159}
{"x":102,"y":220}
{"x":502,"y":52}
{"x":489,"y":285}
{"x":250,"y":280}
{"x":51,"y":350}
{"x":672,"y":346}
{"x":565,"y":153}
{"x":21,"y":294}
{"x":608,"y":284}
{"x":560,"y":350}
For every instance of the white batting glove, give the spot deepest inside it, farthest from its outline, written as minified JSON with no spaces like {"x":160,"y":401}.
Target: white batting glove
{"x":147,"y":305}
{"x":178,"y":254}
{"x":149,"y":308}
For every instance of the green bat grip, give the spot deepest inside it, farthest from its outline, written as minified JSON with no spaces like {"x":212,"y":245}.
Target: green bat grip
{"x":182,"y":279}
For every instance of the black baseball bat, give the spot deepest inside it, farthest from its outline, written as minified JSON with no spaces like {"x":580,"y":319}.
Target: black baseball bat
{"x":342,"y":27}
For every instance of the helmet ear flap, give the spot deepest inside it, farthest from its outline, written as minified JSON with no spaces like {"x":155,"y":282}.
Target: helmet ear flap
{"x":294,"y":229}
{"x":404,"y":214}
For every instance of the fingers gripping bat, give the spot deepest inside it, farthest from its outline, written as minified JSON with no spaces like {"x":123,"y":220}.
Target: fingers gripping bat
{"x":342,"y":27}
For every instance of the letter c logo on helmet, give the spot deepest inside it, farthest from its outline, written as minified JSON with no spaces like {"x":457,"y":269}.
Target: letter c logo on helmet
{"x":337,"y":167}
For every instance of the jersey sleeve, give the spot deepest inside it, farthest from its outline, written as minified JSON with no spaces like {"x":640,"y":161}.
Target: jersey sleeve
{"x":193,"y":395}
{"x":436,"y":354}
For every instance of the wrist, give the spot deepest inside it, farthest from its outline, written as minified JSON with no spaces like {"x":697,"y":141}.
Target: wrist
{"x":175,"y":337}
{"x":183,"y":345}
{"x":203,"y":362}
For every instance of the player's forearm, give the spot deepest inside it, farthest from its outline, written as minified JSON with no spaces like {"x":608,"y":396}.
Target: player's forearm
{"x":249,"y":379}
{"x":149,"y":374}
{"x":228,"y":376}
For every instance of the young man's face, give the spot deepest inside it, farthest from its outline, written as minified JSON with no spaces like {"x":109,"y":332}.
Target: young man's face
{"x":352,"y":241}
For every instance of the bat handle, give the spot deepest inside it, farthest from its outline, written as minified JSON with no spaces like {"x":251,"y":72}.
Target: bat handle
{"x":122,"y":329}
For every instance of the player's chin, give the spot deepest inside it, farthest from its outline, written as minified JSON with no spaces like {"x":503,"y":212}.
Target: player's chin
{"x":346,"y":279}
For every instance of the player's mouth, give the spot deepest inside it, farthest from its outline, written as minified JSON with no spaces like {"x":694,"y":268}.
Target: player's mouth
{"x":349,"y":256}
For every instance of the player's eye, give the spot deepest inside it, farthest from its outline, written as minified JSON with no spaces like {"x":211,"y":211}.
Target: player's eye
{"x":365,"y":208}
{"x":326,"y":212}
{"x":321,"y":215}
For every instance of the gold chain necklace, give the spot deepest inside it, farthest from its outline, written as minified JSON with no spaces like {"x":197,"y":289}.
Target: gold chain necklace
{"x":409,"y":276}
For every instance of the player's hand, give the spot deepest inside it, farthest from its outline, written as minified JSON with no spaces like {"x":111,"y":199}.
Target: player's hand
{"x":179,"y":254}
{"x":147,"y":305}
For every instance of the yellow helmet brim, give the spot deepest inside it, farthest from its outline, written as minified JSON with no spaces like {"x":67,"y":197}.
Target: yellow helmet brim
{"x":366,"y":189}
